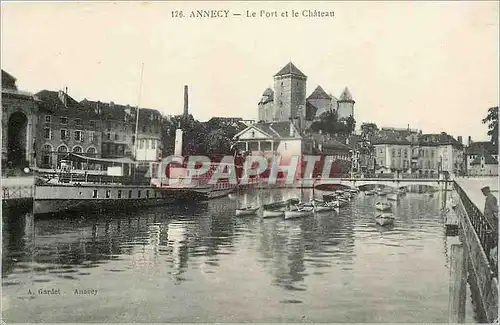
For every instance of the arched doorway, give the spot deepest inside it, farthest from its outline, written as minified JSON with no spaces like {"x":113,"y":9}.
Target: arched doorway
{"x":16,"y":140}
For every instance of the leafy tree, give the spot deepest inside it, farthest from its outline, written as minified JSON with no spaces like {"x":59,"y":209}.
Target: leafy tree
{"x":330,"y":124}
{"x":369,"y":129}
{"x":492,"y":120}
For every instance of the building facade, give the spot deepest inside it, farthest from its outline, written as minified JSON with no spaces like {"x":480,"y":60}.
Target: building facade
{"x":19,"y":124}
{"x":410,"y":151}
{"x":474,"y":150}
{"x":40,"y":130}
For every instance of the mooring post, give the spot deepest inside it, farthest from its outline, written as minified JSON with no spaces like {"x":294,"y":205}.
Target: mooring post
{"x":458,"y":284}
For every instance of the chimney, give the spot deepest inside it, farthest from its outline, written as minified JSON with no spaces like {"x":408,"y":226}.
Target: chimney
{"x":459,"y":138}
{"x":292,"y":133}
{"x":186,"y":101}
{"x":469,"y":141}
{"x":62,"y":97}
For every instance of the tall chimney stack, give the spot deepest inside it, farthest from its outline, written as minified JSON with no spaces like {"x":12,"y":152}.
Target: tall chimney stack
{"x":469,"y":140}
{"x":186,"y":101}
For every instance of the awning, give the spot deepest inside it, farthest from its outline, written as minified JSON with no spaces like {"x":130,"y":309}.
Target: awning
{"x":75,"y":157}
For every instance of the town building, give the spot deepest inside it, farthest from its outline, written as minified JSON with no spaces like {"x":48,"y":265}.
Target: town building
{"x":474,"y":149}
{"x":287,"y":101}
{"x":40,"y":130}
{"x":410,"y":151}
{"x":65,"y":126}
{"x":484,"y":164}
{"x":19,"y":124}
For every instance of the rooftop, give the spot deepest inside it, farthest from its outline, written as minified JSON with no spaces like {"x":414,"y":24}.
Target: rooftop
{"x":290,"y":69}
{"x":319,"y":93}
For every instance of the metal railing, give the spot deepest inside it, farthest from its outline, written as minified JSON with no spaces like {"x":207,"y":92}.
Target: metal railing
{"x":487,"y":234}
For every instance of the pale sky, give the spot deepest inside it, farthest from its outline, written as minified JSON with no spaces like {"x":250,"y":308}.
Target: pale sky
{"x":433,"y":65}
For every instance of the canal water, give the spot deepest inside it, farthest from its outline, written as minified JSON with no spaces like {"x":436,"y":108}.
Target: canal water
{"x":200,"y":263}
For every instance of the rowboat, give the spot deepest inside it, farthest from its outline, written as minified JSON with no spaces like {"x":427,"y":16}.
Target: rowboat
{"x":393,"y":197}
{"x":280,"y":204}
{"x":273,"y":213}
{"x":325,"y":207}
{"x":384,"y":219}
{"x":402,"y":191}
{"x":383,"y":206}
{"x":369,"y":192}
{"x":247,"y":211}
{"x":301,"y":211}
{"x":381,"y":193}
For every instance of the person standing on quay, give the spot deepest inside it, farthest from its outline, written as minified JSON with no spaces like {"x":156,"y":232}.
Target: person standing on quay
{"x":491,"y":214}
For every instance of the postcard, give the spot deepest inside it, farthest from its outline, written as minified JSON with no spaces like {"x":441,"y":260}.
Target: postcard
{"x":250,"y":162}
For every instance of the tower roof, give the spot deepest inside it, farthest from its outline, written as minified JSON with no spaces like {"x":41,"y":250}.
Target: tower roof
{"x":319,"y":93}
{"x":290,"y":68}
{"x":346,"y":96}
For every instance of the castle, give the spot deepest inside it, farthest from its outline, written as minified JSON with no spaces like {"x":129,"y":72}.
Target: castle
{"x":288,"y":100}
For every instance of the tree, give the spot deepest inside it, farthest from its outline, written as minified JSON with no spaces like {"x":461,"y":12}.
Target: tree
{"x":492,"y":120}
{"x":369,"y":129}
{"x":330,"y":124}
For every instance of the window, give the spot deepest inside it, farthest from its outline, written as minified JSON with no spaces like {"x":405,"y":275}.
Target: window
{"x":141,"y":144}
{"x":77,"y":149}
{"x":92,"y":124}
{"x":108,"y":194}
{"x":117,"y":137}
{"x":47,"y":133}
{"x":393,"y":152}
{"x":147,"y":194}
{"x":95,"y":194}
{"x":91,"y":150}
{"x":108,"y":136}
{"x":124,"y":137}
{"x":64,"y":134}
{"x":405,"y":153}
{"x":47,"y":118}
{"x":130,"y":194}
{"x":119,"y":194}
{"x":92,"y":137}
{"x":63,"y":120}
{"x":153,"y":144}
{"x":108,"y":124}
{"x":253,"y":134}
{"x":62,"y":149}
{"x":399,"y":152}
{"x":78,"y":122}
{"x":78,"y":136}
{"x":139,"y":193}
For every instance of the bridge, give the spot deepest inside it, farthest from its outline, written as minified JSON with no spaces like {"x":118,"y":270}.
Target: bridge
{"x":478,"y":240}
{"x":386,"y":182}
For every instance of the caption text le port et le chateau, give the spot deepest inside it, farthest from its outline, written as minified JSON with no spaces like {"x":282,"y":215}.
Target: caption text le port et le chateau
{"x":201,"y":14}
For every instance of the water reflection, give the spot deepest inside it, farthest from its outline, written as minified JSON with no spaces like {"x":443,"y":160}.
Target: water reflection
{"x":204,"y":254}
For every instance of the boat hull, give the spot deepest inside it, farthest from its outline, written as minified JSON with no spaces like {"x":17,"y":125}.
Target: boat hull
{"x":55,"y":198}
{"x":324,"y":208}
{"x":248,"y":212}
{"x":272,"y":214}
{"x":384,"y":220}
{"x":298,"y":214}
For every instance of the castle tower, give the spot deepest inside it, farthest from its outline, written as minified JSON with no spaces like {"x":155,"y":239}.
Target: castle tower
{"x":289,"y":94}
{"x":320,"y":100}
{"x":266,"y":105}
{"x":345,"y":105}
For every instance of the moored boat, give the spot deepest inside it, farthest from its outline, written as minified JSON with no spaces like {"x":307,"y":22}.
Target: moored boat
{"x":393,"y":197}
{"x":383,"y":206}
{"x":325,"y":207}
{"x":369,"y":192}
{"x":246,"y":211}
{"x":381,"y":192}
{"x":273,"y":213}
{"x":298,"y":212}
{"x":384,"y":219}
{"x":280,"y":204}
